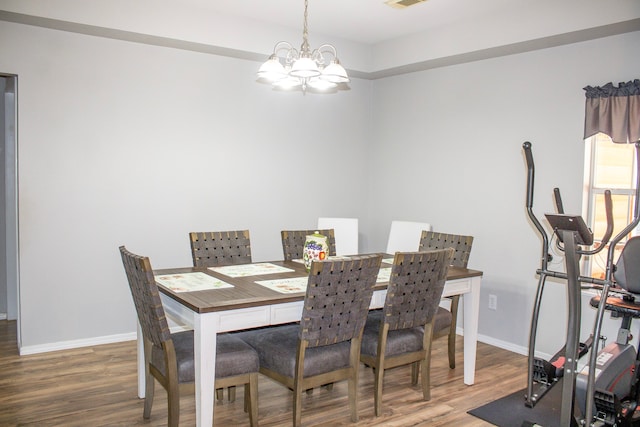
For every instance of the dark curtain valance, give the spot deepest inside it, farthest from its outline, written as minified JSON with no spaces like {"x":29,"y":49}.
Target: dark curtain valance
{"x":614,"y":111}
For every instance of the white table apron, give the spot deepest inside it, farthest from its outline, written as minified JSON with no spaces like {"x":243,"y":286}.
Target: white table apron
{"x":207,"y":325}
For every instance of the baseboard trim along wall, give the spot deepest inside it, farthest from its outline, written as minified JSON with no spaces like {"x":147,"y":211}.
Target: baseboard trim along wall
{"x":67,"y":345}
{"x":109,"y":339}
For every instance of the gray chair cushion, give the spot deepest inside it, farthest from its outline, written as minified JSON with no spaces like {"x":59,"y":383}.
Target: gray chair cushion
{"x":233,"y":356}
{"x":442,"y":320}
{"x":398,"y":341}
{"x":277,"y":346}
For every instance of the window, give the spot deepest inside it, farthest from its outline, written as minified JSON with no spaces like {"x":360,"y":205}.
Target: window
{"x":608,"y":166}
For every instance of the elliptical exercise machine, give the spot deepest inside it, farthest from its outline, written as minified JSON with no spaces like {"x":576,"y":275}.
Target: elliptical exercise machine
{"x":613,"y":369}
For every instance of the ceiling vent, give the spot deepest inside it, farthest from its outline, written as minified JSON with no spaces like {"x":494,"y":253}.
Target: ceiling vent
{"x":401,"y":4}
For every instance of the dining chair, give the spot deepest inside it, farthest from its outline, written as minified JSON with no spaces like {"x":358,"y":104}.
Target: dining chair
{"x":293,"y":242}
{"x":169,"y":357}
{"x":218,"y":248}
{"x":325,"y":346}
{"x":401,"y":333}
{"x":346,"y":232}
{"x":447,"y":320}
{"x":404,"y":236}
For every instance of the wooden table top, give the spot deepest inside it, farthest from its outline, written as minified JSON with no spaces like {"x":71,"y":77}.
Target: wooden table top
{"x":246,"y":293}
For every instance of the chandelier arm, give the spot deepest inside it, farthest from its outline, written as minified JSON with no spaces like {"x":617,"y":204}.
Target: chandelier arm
{"x":332,"y":50}
{"x":282,"y":45}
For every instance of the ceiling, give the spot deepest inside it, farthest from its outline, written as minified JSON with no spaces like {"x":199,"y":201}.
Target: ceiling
{"x":373,"y":39}
{"x":362,"y":21}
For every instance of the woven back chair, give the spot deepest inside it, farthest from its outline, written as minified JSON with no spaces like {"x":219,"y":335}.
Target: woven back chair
{"x":325,"y":346}
{"x":293,"y":242}
{"x":446,"y":320}
{"x":217,"y":248}
{"x":169,"y":358}
{"x":400,"y":334}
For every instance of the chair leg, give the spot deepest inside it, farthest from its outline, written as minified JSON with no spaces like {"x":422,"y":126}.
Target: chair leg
{"x":173,"y":396}
{"x":354,"y":362}
{"x":425,"y":364}
{"x":232,"y":393}
{"x":148,"y":395}
{"x":378,"y":375}
{"x":452,"y":331}
{"x":452,"y":349}
{"x":251,"y":399}
{"x":297,"y":407}
{"x":426,"y":378}
{"x":219,"y":394}
{"x":415,"y":371}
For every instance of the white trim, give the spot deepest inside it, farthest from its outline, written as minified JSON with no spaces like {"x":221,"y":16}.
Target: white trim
{"x":3,"y":316}
{"x":66,"y":345}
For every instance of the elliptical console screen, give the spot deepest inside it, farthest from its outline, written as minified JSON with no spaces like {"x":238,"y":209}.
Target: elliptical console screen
{"x":573,"y":223}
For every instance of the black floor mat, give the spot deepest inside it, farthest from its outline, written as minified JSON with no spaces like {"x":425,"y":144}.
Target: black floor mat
{"x":510,"y":411}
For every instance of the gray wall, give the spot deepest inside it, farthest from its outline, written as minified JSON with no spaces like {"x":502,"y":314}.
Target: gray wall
{"x":123,"y":143}
{"x":451,"y":138}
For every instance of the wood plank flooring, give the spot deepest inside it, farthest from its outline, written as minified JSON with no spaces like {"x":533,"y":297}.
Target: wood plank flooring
{"x":97,"y":386}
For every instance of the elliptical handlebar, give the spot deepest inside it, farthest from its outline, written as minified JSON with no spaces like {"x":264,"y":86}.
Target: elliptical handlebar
{"x":558,"y":199}
{"x":560,"y":209}
{"x":608,"y":207}
{"x":530,"y":182}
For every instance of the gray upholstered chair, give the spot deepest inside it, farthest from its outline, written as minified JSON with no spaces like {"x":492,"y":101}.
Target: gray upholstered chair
{"x":217,"y":248}
{"x":293,"y":242}
{"x":325,"y":346}
{"x":400,"y":334}
{"x":446,"y":320}
{"x":169,"y":358}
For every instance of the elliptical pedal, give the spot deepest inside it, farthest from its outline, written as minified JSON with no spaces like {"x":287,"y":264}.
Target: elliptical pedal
{"x":612,"y":412}
{"x":545,"y":372}
{"x":607,"y":407}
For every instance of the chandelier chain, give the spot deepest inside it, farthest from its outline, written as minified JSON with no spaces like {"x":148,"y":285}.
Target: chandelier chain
{"x":304,"y":49}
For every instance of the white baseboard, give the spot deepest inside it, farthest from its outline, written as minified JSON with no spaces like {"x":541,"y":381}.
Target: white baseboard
{"x":3,"y":316}
{"x":66,"y":345}
{"x":503,"y":344}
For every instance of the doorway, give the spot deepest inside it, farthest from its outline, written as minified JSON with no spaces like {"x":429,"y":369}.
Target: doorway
{"x":9,"y":284}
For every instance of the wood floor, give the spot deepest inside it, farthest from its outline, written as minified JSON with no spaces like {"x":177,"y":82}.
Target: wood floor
{"x":97,"y":386}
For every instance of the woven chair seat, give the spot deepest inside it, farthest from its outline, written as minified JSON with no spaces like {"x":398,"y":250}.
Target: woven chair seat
{"x":276,"y":348}
{"x":398,"y":342}
{"x":233,"y":356}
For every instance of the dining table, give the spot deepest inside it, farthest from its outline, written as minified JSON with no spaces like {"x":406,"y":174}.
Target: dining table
{"x":237,"y":297}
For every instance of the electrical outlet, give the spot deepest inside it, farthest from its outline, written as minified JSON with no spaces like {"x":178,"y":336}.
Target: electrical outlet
{"x":493,"y":302}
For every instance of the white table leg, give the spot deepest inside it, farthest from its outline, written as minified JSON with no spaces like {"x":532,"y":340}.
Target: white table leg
{"x":205,"y":328}
{"x":141,"y":379}
{"x":471,"y":302}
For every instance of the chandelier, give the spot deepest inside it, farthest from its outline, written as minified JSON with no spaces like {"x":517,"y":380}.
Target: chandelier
{"x":318,"y":69}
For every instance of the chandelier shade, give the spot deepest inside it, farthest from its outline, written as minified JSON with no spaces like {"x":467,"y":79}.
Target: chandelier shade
{"x":319,"y":69}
